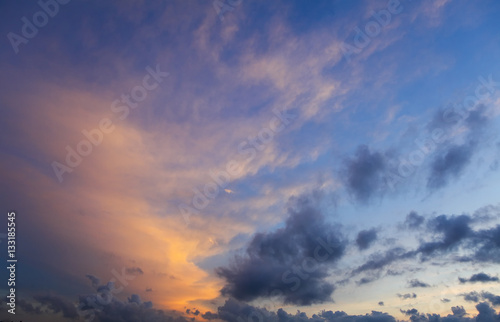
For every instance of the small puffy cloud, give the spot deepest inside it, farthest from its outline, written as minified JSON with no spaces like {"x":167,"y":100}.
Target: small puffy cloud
{"x":407,"y":296}
{"x":364,"y":173}
{"x":366,"y":238}
{"x":414,"y":220}
{"x":134,"y":270}
{"x":417,"y":283}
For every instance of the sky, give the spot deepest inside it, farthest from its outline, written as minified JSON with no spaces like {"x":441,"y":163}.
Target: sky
{"x":241,"y":160}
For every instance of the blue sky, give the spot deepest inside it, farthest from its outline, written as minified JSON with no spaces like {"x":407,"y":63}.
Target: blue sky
{"x":286,"y":160}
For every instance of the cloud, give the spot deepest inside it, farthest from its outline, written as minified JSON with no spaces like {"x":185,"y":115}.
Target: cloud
{"x":291,"y":263}
{"x":105,"y":306}
{"x":449,"y":164}
{"x":476,"y":297}
{"x":453,"y":229}
{"x":381,"y":303}
{"x":210,"y":316}
{"x":417,"y":283}
{"x":472,"y":296}
{"x":95,"y":281}
{"x":458,"y":315}
{"x":486,"y":313}
{"x":409,"y":312}
{"x":58,"y":305}
{"x":28,"y":307}
{"x":407,"y":296}
{"x":480,"y":277}
{"x":134,"y":270}
{"x":364,"y":173}
{"x":414,"y":220}
{"x":448,"y":233}
{"x":487,"y":242}
{"x":366,"y":238}
{"x":235,"y":311}
{"x":494,"y":299}
{"x":380,"y":260}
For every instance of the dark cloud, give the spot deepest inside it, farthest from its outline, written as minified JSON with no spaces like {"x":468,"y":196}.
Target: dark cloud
{"x":104,"y":306}
{"x":193,"y":311}
{"x":452,"y":229}
{"x":458,"y":315}
{"x":134,"y":270}
{"x":449,"y":165}
{"x":364,"y":174}
{"x":480,"y":277}
{"x":235,"y":311}
{"x":58,"y":305}
{"x":407,"y":296}
{"x":367,"y":280}
{"x":494,"y":299}
{"x":477,"y":119}
{"x":210,"y":316}
{"x":95,"y":281}
{"x":476,"y":297}
{"x":409,"y":312}
{"x":380,"y":260}
{"x":486,"y":313}
{"x":458,"y":311}
{"x":291,"y":263}
{"x":448,"y":233}
{"x":472,"y":296}
{"x":366,"y":238}
{"x":417,"y":283}
{"x":414,"y":220}
{"x":445,"y":300}
{"x":28,"y":307}
{"x":381,"y":303}
{"x":487,"y":243}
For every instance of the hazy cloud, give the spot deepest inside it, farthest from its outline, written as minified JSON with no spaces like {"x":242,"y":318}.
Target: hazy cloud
{"x":449,"y":165}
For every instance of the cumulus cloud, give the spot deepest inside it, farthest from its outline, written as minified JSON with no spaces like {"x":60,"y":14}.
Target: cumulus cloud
{"x":291,"y":263}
